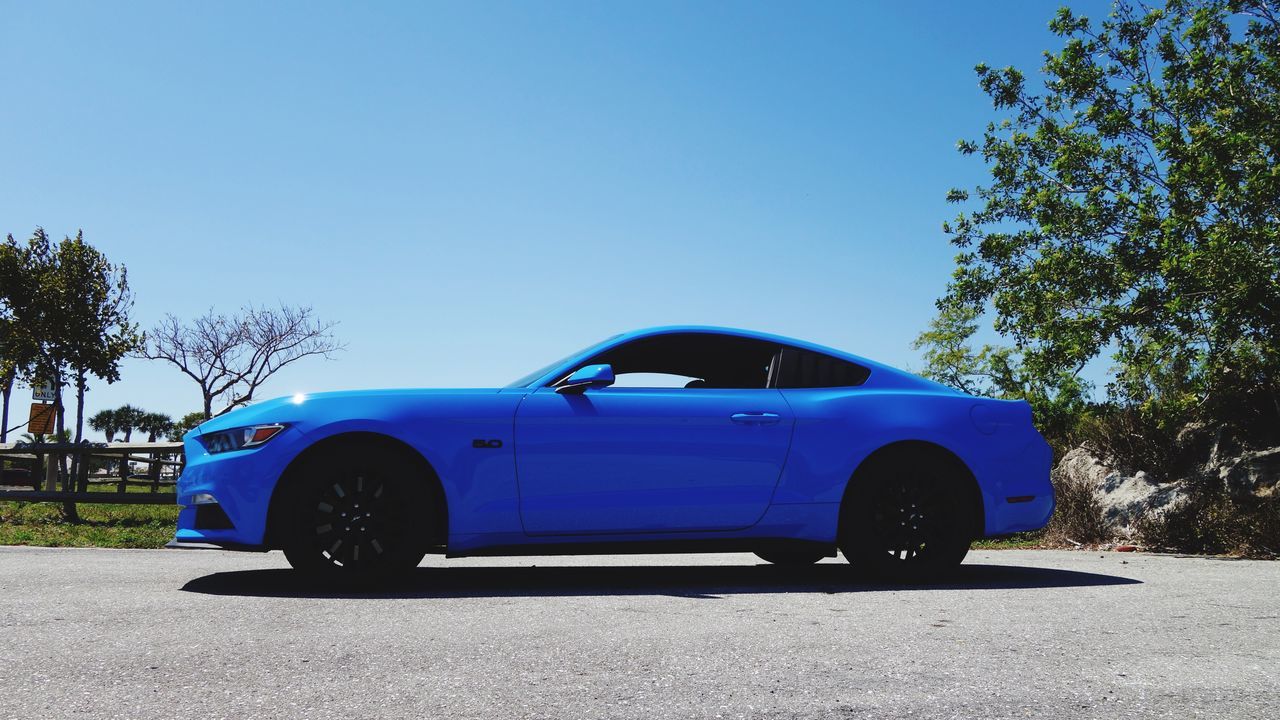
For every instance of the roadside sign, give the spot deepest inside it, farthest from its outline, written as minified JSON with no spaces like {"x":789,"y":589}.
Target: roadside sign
{"x":41,"y":419}
{"x":43,"y":392}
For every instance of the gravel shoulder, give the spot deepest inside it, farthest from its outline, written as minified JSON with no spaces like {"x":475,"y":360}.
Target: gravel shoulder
{"x":162,"y":634}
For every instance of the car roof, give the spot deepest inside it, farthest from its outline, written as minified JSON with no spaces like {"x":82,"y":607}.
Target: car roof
{"x":885,"y":372}
{"x":737,"y":332}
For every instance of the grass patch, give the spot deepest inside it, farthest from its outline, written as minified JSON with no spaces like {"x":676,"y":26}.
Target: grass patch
{"x":109,"y":526}
{"x":1019,"y":541}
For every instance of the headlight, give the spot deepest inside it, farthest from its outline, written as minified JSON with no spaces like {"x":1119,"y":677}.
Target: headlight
{"x":240,"y":438}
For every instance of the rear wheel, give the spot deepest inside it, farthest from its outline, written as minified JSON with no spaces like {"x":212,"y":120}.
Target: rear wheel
{"x":907,"y":520}
{"x":357,"y":516}
{"x":791,"y":558}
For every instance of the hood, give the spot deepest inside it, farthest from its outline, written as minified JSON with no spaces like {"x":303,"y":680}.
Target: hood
{"x":292,"y":408}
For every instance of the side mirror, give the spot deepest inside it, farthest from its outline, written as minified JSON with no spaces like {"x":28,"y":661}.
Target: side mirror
{"x":588,"y":376}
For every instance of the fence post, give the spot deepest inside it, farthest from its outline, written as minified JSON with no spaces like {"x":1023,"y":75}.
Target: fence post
{"x":124,"y":473}
{"x":82,"y":479}
{"x":67,"y":470}
{"x":153,"y":469}
{"x":52,"y":461}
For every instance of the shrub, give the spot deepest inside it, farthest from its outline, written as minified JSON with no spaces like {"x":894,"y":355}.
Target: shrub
{"x":1079,"y":515}
{"x":1133,"y":440}
{"x":1210,"y":520}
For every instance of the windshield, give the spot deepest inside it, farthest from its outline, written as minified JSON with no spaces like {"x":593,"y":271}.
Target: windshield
{"x":533,"y":376}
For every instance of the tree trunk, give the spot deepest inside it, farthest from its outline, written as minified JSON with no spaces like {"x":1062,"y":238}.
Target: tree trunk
{"x":208,"y":407}
{"x":7,"y":380}
{"x":69,"y":512}
{"x":80,"y":388}
{"x":79,"y":465}
{"x":1275,"y":400}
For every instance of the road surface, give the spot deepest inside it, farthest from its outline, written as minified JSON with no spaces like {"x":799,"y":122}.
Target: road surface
{"x":209,"y":634}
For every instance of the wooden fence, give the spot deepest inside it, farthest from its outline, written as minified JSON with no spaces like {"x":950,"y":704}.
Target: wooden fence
{"x":66,"y":472}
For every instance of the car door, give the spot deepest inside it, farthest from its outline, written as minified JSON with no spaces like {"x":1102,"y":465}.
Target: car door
{"x":618,"y":460}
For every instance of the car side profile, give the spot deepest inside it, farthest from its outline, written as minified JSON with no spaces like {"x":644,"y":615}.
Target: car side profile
{"x":676,"y":439}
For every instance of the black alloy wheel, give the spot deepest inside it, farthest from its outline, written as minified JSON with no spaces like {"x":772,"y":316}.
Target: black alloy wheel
{"x":356,"y":518}
{"x":908,"y":522}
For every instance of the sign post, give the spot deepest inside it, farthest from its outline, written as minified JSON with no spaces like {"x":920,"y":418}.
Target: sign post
{"x":41,"y":422}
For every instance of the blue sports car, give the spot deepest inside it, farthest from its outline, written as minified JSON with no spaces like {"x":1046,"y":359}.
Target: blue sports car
{"x":676,"y":439}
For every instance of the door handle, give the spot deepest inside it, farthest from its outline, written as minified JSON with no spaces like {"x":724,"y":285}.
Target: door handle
{"x":755,"y":418}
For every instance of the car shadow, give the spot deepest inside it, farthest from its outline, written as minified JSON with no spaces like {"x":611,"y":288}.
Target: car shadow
{"x":693,"y":581}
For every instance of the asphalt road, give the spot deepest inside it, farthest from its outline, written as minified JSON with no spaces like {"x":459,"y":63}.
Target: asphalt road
{"x":209,"y":634}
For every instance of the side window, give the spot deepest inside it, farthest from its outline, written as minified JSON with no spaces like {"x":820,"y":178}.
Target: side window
{"x":655,"y":380}
{"x":808,"y":369}
{"x":691,"y":360}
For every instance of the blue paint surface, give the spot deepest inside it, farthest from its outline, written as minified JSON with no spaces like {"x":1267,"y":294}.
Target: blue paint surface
{"x":617,"y":464}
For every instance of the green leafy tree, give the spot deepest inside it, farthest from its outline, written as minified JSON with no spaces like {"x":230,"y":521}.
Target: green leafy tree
{"x":185,"y":424}
{"x":8,"y":376}
{"x":1134,"y":207}
{"x":24,"y":314}
{"x":998,"y":371}
{"x":8,"y":368}
{"x":93,"y":300}
{"x":950,"y":357}
{"x":65,"y":310}
{"x":63,"y":316}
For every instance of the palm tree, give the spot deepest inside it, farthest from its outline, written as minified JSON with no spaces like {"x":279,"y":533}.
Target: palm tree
{"x":54,"y":437}
{"x":129,"y":418}
{"x":154,"y":425}
{"x":106,"y":422}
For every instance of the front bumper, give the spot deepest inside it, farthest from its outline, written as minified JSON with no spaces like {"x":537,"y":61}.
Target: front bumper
{"x":176,"y":544}
{"x":240,"y":482}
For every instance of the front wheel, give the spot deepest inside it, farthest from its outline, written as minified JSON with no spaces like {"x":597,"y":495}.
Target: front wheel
{"x":907,"y":521}
{"x":354,"y":517}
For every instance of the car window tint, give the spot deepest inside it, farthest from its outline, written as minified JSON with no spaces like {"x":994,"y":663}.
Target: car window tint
{"x":808,"y":369}
{"x":719,"y":361}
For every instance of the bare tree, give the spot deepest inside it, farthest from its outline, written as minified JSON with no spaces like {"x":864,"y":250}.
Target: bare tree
{"x":230,"y":357}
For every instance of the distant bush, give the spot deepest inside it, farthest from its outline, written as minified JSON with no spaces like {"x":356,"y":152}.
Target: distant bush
{"x":1131,"y":440}
{"x":1210,"y":520}
{"x":1079,"y":515}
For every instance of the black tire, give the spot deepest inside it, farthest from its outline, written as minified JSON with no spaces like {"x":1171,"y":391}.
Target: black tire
{"x":791,"y":558}
{"x":355,"y":517}
{"x":907,"y":520}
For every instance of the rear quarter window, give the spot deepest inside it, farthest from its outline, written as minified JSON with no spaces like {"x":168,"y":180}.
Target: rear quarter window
{"x":808,"y":369}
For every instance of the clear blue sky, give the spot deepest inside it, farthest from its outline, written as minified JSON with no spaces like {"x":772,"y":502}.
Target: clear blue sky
{"x":474,"y":189}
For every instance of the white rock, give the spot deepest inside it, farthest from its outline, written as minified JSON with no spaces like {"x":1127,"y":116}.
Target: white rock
{"x":1125,"y":498}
